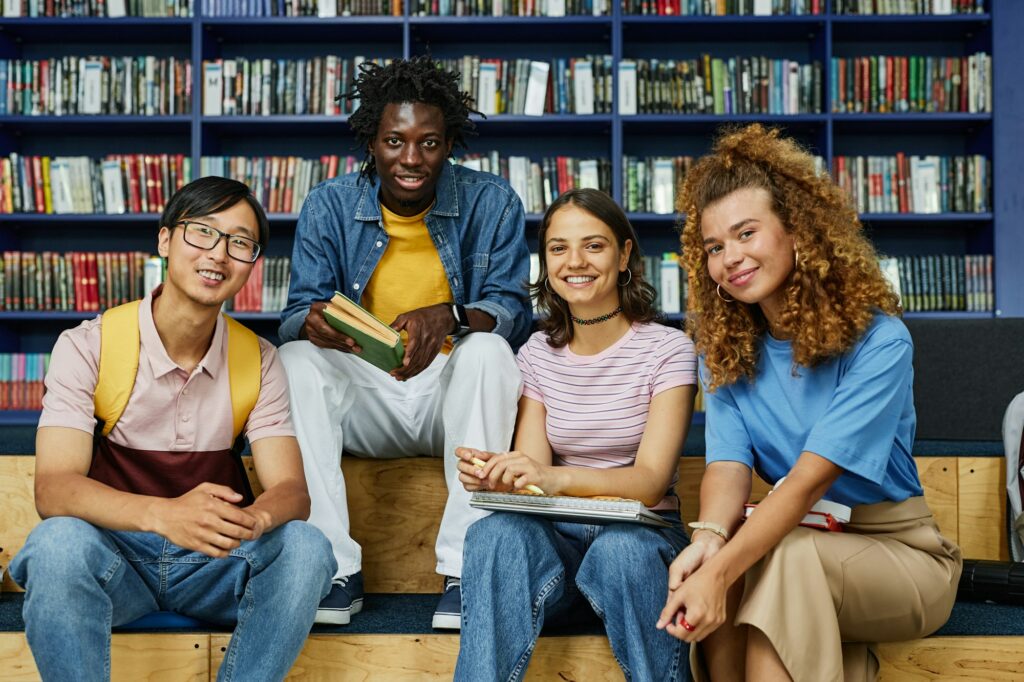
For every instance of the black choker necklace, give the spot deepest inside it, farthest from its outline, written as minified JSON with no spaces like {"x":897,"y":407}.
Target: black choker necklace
{"x":599,"y":319}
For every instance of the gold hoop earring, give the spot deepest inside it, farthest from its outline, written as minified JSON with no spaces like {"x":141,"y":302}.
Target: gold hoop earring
{"x":629,"y":278}
{"x":727,"y":300}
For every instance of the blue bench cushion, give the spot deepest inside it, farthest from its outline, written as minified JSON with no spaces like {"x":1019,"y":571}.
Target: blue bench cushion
{"x":402,"y":614}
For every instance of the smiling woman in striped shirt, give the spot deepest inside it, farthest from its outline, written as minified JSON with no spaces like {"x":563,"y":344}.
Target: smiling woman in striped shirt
{"x":606,"y":404}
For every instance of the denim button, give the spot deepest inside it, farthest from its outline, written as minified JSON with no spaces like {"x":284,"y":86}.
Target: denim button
{"x":380,"y":244}
{"x":356,"y":285}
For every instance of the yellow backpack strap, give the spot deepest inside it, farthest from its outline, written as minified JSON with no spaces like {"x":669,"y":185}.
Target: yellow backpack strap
{"x":119,"y":363}
{"x":245,"y":371}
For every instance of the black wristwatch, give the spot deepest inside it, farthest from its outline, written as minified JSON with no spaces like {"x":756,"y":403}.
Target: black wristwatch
{"x":461,"y":319}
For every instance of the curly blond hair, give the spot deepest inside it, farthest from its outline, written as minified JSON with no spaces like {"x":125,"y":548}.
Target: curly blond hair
{"x":836,"y":286}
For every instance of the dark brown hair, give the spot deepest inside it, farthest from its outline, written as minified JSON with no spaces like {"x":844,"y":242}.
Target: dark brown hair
{"x":636,"y":297}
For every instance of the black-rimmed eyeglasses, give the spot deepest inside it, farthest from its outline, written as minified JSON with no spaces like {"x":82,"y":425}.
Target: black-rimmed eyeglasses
{"x":205,"y":237}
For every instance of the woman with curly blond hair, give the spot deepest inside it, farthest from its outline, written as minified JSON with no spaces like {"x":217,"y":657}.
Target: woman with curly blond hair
{"x":808,"y":378}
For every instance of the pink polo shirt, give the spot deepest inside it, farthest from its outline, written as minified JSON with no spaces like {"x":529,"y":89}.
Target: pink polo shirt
{"x":169,"y":409}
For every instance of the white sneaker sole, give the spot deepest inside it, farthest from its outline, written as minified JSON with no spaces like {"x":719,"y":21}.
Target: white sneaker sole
{"x":338,"y":616}
{"x":447,"y":621}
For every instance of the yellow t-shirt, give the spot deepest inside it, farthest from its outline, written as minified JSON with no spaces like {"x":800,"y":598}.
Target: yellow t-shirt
{"x":410,"y":274}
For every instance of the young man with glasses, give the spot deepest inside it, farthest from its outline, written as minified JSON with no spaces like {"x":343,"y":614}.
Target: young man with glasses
{"x":152,"y":510}
{"x":436,"y":250}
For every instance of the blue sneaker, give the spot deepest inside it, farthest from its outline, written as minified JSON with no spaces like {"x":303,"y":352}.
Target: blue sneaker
{"x":448,"y":615}
{"x":343,"y":601}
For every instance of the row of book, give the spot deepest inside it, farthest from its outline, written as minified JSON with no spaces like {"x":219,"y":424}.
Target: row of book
{"x":942,"y":282}
{"x":916,"y":184}
{"x":510,"y":8}
{"x":118,"y":183}
{"x":264,"y":87}
{"x":578,"y":85}
{"x":538,"y":183}
{"x":280,"y":183}
{"x":937,"y":7}
{"x":111,"y":9}
{"x":718,"y":8}
{"x":712,"y":85}
{"x":898,"y":84}
{"x":21,"y":380}
{"x":76,"y":280}
{"x":650,"y":184}
{"x":70,"y":85}
{"x":301,"y":8}
{"x":266,"y":290}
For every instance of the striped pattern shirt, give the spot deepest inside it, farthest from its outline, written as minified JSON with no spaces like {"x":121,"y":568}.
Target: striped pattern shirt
{"x":597,"y":405}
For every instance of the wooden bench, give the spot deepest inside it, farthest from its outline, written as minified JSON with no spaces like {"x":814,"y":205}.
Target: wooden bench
{"x":395,"y":506}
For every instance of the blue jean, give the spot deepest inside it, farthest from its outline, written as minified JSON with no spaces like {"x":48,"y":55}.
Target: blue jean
{"x":81,"y":580}
{"x":519,"y":570}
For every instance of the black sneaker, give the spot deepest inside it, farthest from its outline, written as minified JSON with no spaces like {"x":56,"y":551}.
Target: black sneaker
{"x":448,"y":615}
{"x":343,"y":601}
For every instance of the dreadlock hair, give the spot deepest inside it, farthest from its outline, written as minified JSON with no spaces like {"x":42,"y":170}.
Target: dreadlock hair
{"x":418,"y":79}
{"x":836,"y":286}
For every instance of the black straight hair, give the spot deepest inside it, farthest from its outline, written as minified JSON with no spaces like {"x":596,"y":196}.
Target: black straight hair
{"x":210,"y":195}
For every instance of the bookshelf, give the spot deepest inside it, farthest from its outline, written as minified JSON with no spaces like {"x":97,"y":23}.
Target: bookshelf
{"x":803,"y":38}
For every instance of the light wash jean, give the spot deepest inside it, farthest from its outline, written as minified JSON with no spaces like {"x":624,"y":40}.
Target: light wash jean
{"x":519,"y":571}
{"x":81,"y":580}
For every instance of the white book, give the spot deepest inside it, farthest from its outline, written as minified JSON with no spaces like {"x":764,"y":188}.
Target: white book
{"x":92,"y":78}
{"x":583,"y":86}
{"x":537,"y":89}
{"x":519,"y":178}
{"x":627,"y":87}
{"x":326,"y":8}
{"x":671,"y":300}
{"x":924,"y":176}
{"x":589,"y":176}
{"x":113,"y":190}
{"x":473,"y":164}
{"x":762,"y":8}
{"x":891,"y":272}
{"x":116,"y":9}
{"x":12,"y":8}
{"x":556,"y":8}
{"x":152,"y":273}
{"x":60,"y":186}
{"x":662,"y":182}
{"x":213,"y":86}
{"x":487,"y":93}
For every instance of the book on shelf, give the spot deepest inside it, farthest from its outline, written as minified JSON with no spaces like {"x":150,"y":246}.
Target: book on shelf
{"x":538,"y":183}
{"x":115,"y":184}
{"x":78,"y":86}
{"x":894,"y":7}
{"x":941,"y":282}
{"x":536,"y":89}
{"x":916,"y":184}
{"x":597,"y":510}
{"x":381,"y":345}
{"x":301,"y":8}
{"x":72,"y":281}
{"x":723,"y":7}
{"x":280,"y":183}
{"x":713,"y":85}
{"x":266,"y":290}
{"x":111,"y":9}
{"x":912,"y":83}
{"x":21,"y":380}
{"x":510,"y":8}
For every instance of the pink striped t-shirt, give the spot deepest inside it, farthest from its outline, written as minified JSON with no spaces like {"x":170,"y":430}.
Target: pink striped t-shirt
{"x":597,"y":405}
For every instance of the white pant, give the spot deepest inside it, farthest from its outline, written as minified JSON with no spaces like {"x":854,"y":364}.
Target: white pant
{"x":339,"y":401}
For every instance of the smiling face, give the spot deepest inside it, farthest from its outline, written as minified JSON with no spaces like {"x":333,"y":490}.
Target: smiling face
{"x":208,"y":278}
{"x":749,"y":252}
{"x":410,"y":150}
{"x":583,"y":261}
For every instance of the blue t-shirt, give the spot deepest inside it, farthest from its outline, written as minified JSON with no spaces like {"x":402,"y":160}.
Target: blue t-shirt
{"x":857,"y":411}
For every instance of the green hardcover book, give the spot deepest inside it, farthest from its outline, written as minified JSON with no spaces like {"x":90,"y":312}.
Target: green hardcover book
{"x":381,"y":345}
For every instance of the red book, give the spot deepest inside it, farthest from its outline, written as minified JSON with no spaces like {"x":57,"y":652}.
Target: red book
{"x":890,"y":79}
{"x":92,"y":292}
{"x":37,"y":182}
{"x":131,"y":171}
{"x":865,"y":82}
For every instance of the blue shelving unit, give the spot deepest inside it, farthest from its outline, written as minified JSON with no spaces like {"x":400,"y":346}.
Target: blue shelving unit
{"x":609,"y":135}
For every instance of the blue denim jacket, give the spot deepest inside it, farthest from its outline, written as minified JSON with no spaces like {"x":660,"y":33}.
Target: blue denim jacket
{"x":477,"y":224}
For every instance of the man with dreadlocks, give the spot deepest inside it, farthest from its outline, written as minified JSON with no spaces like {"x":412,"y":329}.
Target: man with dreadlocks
{"x":440,"y":250}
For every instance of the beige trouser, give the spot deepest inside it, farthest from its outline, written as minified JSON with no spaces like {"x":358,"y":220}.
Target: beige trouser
{"x":823,"y":598}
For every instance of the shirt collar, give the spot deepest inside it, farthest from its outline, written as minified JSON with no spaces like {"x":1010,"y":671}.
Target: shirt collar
{"x":152,"y":347}
{"x":446,"y":201}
